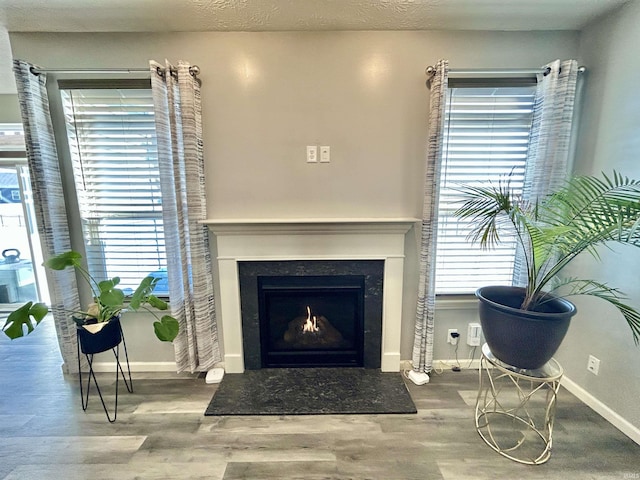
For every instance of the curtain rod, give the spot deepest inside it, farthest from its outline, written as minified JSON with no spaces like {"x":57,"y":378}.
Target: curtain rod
{"x":194,"y":70}
{"x":431,"y":70}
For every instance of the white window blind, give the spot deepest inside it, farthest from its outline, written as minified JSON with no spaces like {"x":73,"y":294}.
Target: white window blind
{"x":112,"y":143}
{"x":486,"y":137}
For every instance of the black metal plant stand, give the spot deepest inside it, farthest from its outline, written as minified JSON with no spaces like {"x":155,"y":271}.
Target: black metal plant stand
{"x":109,"y":338}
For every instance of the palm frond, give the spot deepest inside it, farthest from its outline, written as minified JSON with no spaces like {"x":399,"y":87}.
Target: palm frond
{"x":592,"y":213}
{"x":596,"y":209}
{"x":586,"y":214}
{"x":484,"y":207}
{"x":611,"y":295}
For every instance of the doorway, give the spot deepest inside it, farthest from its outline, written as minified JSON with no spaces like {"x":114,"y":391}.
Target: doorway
{"x":22,"y":277}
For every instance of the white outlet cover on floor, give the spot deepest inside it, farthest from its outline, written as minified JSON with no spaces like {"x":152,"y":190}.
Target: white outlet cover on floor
{"x":214,"y":375}
{"x":418,"y":378}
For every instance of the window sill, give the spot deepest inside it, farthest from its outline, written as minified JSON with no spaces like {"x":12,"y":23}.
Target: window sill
{"x":456,"y":302}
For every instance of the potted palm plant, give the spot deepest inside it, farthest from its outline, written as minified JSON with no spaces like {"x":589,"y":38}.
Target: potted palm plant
{"x":524,"y":326}
{"x":98,"y":325}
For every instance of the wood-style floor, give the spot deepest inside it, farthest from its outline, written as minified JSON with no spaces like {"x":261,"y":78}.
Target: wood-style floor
{"x":161,"y":433}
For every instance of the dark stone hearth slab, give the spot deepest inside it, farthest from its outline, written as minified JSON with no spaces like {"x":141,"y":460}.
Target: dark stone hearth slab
{"x":311,"y":391}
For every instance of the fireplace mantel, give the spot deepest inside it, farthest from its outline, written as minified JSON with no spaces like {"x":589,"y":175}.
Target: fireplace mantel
{"x":240,"y":240}
{"x":298,"y":226}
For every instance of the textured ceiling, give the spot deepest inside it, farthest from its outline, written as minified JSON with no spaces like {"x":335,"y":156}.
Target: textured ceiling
{"x":261,"y":15}
{"x":279,"y":15}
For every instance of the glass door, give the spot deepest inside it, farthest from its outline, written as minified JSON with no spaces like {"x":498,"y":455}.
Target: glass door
{"x":22,"y":277}
{"x":20,"y":257}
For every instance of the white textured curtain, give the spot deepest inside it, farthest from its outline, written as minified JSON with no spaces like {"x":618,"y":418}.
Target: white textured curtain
{"x":49,"y":203}
{"x":423,"y":336}
{"x":548,"y":162}
{"x":176,"y":94}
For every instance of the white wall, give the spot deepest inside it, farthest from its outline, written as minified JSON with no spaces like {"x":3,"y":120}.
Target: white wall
{"x":609,"y":139}
{"x":268,"y":95}
{"x":9,"y":109}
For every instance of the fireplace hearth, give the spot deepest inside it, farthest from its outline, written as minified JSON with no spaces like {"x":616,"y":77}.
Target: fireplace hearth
{"x":311,"y":313}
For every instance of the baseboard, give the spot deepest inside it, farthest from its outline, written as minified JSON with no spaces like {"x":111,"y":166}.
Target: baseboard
{"x":463,"y":364}
{"x":439,"y":365}
{"x":607,"y":413}
{"x":137,"y":366}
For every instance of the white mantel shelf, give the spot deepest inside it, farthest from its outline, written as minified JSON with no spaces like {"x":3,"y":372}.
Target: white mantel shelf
{"x":276,"y":239}
{"x":302,"y":226}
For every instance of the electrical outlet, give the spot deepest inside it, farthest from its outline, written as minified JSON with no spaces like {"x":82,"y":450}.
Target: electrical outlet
{"x":474,"y":331}
{"x":593,"y":365}
{"x":452,"y":339}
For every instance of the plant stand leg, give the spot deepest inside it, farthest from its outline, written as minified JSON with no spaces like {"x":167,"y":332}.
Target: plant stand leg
{"x":128,"y":384}
{"x":84,"y":396}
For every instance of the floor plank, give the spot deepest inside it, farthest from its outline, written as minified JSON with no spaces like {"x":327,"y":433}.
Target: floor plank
{"x":161,"y":433}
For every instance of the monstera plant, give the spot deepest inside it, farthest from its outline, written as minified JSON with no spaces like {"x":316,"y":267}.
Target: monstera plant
{"x":109,"y":303}
{"x":524,"y":326}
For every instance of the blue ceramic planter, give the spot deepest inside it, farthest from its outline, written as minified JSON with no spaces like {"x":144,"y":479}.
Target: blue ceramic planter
{"x":522,"y":338}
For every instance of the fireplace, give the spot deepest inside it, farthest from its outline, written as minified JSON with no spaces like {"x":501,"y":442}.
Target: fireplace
{"x":311,"y":313}
{"x":239,"y":242}
{"x":311,"y":320}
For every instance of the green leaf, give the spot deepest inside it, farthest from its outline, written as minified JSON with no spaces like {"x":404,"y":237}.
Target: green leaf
{"x":157,"y":303}
{"x":612,"y":295}
{"x":20,"y":319}
{"x":38,"y":311}
{"x":107,"y":285}
{"x":112,"y":298}
{"x":109,"y":295}
{"x":143,"y":291}
{"x":64,"y":260}
{"x":166,"y":329}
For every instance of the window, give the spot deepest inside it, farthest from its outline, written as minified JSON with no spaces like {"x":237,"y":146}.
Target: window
{"x":112,"y":142}
{"x":11,"y":139}
{"x":486,"y":136}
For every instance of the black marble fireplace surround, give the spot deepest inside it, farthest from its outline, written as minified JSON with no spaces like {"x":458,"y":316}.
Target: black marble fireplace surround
{"x":362,"y":348}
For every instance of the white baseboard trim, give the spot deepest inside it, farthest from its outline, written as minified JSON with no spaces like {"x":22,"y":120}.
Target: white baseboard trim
{"x":607,"y":413}
{"x":463,"y":363}
{"x":439,"y":365}
{"x":103,"y":367}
